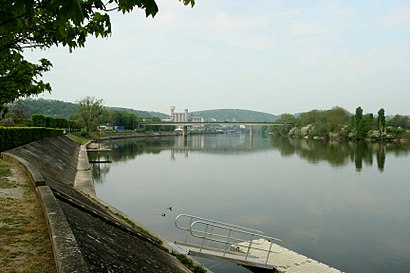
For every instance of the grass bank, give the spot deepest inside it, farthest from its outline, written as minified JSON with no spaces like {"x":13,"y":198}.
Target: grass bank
{"x":77,"y":137}
{"x":24,"y":241}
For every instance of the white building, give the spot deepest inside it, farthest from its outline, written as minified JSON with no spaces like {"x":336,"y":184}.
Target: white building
{"x":179,"y":117}
{"x":197,"y":119}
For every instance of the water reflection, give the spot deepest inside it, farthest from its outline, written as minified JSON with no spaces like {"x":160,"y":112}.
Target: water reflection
{"x":307,"y":193}
{"x":126,"y":149}
{"x":339,"y":154}
{"x":359,"y":154}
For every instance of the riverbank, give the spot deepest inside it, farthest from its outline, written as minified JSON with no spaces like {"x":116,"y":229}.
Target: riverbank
{"x":87,"y":236}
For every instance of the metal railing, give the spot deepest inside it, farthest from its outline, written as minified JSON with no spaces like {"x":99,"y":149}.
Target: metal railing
{"x":227,"y":238}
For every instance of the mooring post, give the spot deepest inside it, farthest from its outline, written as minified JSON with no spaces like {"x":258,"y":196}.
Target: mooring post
{"x":185,"y":131}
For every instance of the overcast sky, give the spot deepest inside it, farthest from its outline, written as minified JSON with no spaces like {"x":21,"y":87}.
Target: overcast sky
{"x":263,"y":55}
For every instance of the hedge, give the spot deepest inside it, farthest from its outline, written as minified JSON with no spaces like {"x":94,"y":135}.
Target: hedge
{"x":50,"y":122}
{"x":12,"y":137}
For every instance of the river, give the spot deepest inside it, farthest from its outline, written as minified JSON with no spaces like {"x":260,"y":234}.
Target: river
{"x":345,"y":204}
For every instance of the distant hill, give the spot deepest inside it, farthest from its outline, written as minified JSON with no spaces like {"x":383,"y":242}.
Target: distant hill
{"x":141,"y":113}
{"x":234,"y":115}
{"x":62,"y":109}
{"x":51,"y":108}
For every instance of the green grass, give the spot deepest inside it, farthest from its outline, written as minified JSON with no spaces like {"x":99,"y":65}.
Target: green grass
{"x":4,"y":173}
{"x":196,"y":268}
{"x":4,"y":169}
{"x":80,"y":140}
{"x":406,"y":135}
{"x":24,"y":241}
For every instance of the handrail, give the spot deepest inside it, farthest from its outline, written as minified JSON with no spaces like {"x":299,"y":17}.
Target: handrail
{"x":215,"y":237}
{"x":192,"y":218}
{"x":196,"y":233}
{"x":223,"y":233}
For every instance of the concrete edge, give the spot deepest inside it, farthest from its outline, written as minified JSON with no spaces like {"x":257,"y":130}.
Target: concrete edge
{"x":83,"y":179}
{"x":83,"y":164}
{"x":35,"y":175}
{"x":67,"y":254}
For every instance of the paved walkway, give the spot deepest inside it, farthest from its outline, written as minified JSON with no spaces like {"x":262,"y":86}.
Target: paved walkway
{"x":24,"y":241}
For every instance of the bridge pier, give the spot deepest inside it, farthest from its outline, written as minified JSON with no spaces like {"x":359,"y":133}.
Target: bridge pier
{"x":185,"y":131}
{"x":251,"y":135}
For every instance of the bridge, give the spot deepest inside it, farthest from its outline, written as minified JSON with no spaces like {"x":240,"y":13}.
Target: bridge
{"x":191,"y":123}
{"x":185,"y":124}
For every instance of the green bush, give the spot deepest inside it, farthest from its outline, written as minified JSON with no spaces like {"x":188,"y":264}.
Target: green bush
{"x":12,"y":137}
{"x":190,"y":264}
{"x":50,"y":122}
{"x":396,"y":132}
{"x":199,"y":269}
{"x":38,"y":121}
{"x":185,"y":260}
{"x":84,"y":133}
{"x":406,"y":135}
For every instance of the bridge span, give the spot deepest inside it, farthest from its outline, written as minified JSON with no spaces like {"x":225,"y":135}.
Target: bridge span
{"x":191,"y":123}
{"x":185,"y":124}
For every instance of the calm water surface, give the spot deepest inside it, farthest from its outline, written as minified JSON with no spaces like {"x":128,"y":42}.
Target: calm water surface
{"x":347,"y":205}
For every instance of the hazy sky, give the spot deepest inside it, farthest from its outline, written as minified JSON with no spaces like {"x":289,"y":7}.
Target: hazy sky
{"x":263,"y":55}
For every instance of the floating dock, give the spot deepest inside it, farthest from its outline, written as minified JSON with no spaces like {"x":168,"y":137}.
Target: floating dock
{"x":100,"y":151}
{"x":244,"y":246}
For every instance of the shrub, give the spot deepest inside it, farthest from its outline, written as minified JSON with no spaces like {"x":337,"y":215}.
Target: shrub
{"x":294,"y":132}
{"x":84,"y":133}
{"x":12,"y":137}
{"x":50,"y":122}
{"x":406,"y":135}
{"x":196,"y":268}
{"x":395,"y":132}
{"x":38,"y":121}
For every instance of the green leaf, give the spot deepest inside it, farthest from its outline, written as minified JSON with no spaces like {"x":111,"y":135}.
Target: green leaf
{"x":187,"y":2}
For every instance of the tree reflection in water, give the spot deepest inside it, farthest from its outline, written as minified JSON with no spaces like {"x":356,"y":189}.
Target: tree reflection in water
{"x":340,"y":153}
{"x":335,"y":153}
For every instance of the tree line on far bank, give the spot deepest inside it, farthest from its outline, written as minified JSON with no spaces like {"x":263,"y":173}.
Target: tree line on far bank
{"x":338,"y":124}
{"x":92,"y":115}
{"x":88,"y":114}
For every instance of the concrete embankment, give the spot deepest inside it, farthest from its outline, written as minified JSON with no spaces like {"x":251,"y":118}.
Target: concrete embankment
{"x":86,"y":236}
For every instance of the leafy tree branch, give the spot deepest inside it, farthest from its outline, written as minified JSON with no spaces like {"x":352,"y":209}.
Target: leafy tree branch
{"x":44,"y":23}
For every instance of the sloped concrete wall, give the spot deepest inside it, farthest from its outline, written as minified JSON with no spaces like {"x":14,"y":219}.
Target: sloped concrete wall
{"x":85,"y":236}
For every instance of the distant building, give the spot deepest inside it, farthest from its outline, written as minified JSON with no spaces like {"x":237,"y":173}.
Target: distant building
{"x":198,"y":127}
{"x":197,"y":119}
{"x":185,"y":117}
{"x":179,"y":117}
